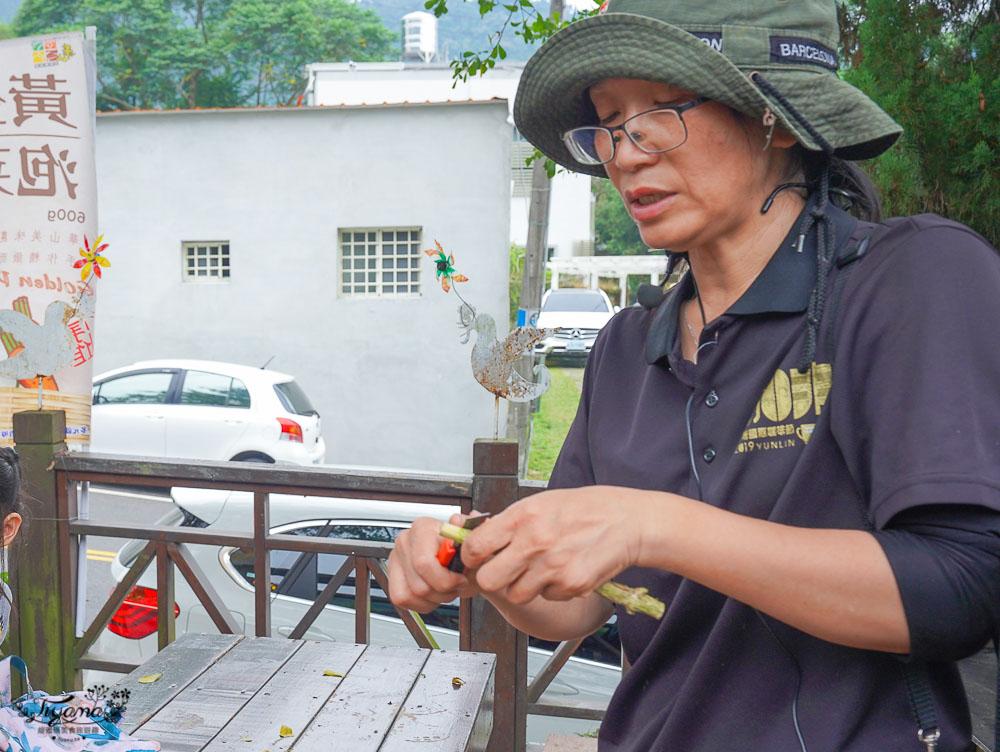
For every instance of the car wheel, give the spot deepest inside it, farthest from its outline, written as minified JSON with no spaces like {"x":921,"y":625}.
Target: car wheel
{"x":252,"y":457}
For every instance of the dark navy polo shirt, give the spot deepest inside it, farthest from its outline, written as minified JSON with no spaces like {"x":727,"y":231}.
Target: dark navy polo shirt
{"x":899,"y":409}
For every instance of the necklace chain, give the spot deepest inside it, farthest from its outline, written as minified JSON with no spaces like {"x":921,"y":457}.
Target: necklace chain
{"x":689,"y":328}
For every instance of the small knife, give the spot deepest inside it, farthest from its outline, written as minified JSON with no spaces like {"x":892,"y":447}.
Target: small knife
{"x":450,"y":553}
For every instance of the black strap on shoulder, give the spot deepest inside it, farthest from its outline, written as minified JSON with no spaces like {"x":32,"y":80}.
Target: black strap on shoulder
{"x":918,"y":686}
{"x":917,"y":682}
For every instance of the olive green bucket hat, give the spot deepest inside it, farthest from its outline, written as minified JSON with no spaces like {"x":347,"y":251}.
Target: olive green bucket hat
{"x":716,"y":48}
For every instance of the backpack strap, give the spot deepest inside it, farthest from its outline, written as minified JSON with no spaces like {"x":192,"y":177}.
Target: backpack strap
{"x":917,"y":681}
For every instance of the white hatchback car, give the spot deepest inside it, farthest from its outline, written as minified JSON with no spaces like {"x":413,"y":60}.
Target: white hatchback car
{"x":587,"y":679}
{"x":200,"y":409}
{"x":578,"y":314}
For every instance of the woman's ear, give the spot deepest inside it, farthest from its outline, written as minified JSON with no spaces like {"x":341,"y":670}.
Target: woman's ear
{"x":11,"y":524}
{"x":782,"y":139}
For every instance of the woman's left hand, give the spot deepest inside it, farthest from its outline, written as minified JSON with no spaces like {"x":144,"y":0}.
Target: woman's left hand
{"x":558,"y":544}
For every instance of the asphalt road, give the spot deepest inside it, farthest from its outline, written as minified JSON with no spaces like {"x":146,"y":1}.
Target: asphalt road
{"x":106,"y":504}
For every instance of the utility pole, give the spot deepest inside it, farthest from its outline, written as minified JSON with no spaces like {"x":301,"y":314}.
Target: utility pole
{"x":532,"y":282}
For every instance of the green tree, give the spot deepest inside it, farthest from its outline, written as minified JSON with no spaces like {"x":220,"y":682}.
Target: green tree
{"x":211,"y":53}
{"x":6,"y":32}
{"x":935,"y":67}
{"x":615,"y":234}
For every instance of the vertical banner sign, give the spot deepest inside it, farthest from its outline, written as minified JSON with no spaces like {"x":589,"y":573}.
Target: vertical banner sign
{"x":50,"y":252}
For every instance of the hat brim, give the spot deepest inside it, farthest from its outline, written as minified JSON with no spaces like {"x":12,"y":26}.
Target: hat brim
{"x":552,"y":95}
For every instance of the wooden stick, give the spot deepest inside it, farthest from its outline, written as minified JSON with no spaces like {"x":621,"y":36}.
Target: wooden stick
{"x":632,"y":599}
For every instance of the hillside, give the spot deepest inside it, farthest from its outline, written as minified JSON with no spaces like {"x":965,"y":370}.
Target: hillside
{"x":7,"y":10}
{"x":460,"y":29}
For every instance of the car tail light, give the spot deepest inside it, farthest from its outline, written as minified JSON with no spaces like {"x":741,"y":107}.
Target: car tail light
{"x":290,"y":430}
{"x":136,"y":617}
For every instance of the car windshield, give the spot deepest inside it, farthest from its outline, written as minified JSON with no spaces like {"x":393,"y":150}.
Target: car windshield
{"x":294,"y":399}
{"x":578,"y":302}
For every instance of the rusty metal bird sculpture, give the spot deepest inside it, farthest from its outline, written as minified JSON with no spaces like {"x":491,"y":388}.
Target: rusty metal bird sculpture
{"x":493,"y":360}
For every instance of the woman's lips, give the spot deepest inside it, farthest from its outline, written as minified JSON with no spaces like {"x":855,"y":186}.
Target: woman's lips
{"x":648,"y":205}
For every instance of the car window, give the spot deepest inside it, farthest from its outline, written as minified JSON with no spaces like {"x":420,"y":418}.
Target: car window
{"x":304,"y":575}
{"x":291,"y":573}
{"x":576,"y":302}
{"x":148,"y":388}
{"x":203,"y":388}
{"x":293,"y":399}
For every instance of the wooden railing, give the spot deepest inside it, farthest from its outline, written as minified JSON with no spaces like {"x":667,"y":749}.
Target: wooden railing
{"x":43,"y":630}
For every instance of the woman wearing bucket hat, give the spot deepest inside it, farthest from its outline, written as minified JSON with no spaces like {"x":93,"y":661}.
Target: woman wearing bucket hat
{"x":795,"y":447}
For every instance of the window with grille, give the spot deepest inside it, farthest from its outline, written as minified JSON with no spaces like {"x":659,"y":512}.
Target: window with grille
{"x":520,"y":172}
{"x":206,"y":261}
{"x":378,"y":261}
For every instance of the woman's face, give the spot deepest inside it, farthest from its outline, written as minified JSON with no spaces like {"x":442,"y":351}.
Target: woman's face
{"x":704,"y":194}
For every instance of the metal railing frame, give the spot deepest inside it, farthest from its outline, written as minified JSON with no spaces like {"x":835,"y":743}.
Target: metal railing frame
{"x":493,"y":486}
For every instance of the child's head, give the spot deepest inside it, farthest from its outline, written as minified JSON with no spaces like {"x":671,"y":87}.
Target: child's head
{"x":10,"y":494}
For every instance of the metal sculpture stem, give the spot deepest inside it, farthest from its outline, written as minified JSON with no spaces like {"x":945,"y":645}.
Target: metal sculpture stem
{"x":496,"y":417}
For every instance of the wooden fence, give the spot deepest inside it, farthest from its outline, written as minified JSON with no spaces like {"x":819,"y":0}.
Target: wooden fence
{"x":45,"y":579}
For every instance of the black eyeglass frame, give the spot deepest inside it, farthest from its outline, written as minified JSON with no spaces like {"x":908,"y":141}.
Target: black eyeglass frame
{"x":567,"y":137}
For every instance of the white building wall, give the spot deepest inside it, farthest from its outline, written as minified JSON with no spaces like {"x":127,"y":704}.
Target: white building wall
{"x":570,"y":223}
{"x":390,"y":378}
{"x":570,"y":215}
{"x":376,"y":83}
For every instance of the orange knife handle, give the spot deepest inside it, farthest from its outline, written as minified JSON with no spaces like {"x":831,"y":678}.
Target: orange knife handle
{"x":446,"y":553}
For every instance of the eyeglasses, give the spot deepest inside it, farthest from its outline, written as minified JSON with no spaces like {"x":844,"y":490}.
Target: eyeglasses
{"x":654,"y":131}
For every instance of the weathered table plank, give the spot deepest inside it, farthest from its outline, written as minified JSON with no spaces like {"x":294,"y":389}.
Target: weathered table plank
{"x":290,"y":698}
{"x":226,"y":693}
{"x":191,"y":719}
{"x":442,"y":714}
{"x":361,"y":711}
{"x":187,"y":659}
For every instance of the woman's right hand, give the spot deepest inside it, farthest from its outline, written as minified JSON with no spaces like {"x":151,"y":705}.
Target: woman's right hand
{"x":417,"y":581}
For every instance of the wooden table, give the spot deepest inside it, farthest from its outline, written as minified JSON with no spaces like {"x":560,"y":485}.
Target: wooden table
{"x":230,"y":692}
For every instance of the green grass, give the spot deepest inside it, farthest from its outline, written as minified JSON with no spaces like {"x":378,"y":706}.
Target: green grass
{"x":551,"y":423}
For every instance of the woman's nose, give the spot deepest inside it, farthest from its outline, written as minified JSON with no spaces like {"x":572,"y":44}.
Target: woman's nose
{"x":628,"y":156}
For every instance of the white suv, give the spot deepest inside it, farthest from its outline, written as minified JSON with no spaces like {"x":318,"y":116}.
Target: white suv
{"x":199,"y":409}
{"x":578,"y":315}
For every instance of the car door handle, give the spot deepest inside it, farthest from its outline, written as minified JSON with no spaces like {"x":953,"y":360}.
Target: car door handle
{"x":311,"y":633}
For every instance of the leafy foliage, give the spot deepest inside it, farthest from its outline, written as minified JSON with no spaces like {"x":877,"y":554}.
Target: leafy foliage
{"x":615,"y":234}
{"x":522,"y":18}
{"x":210,"y":53}
{"x":935,"y":67}
{"x":461,"y":28}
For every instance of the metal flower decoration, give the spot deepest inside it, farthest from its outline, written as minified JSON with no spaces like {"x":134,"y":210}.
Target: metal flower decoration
{"x":92,"y":259}
{"x":445,"y":267}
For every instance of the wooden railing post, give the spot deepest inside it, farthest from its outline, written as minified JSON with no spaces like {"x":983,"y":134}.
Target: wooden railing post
{"x":43,"y":578}
{"x":494,"y":488}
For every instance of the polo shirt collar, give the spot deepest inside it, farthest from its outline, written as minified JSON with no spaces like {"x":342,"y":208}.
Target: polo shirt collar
{"x":783,"y":286}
